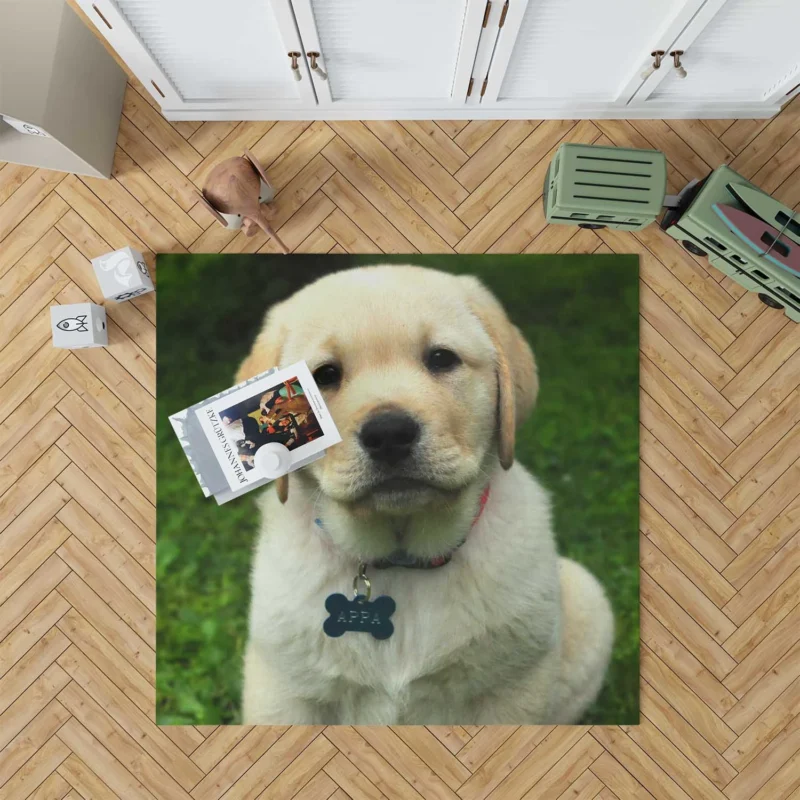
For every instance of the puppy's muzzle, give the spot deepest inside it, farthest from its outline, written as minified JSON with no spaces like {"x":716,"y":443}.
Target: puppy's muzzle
{"x":389,"y":437}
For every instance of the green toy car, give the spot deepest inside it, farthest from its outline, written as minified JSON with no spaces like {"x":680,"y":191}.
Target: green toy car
{"x":605,"y":187}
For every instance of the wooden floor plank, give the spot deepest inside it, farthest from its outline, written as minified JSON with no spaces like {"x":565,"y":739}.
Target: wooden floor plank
{"x":40,"y":293}
{"x":512,"y":194}
{"x":763,"y":474}
{"x":153,"y":198}
{"x":31,"y":230}
{"x":109,"y":624}
{"x":692,"y":456}
{"x":420,"y":233}
{"x":685,"y":412}
{"x":108,"y":515}
{"x":100,"y":470}
{"x":491,"y":154}
{"x":771,"y":137}
{"x":437,"y":143}
{"x":223,"y":769}
{"x":767,"y":616}
{"x":35,"y":189}
{"x":294,"y":157}
{"x":505,"y":759}
{"x":644,"y":768}
{"x":99,"y":760}
{"x":209,"y":135}
{"x":684,"y":737}
{"x":533,"y":769}
{"x":686,"y":702}
{"x":783,"y":677}
{"x":692,"y":675}
{"x":84,"y":782}
{"x":97,"y":540}
{"x":381,"y":231}
{"x":119,"y":742}
{"x":685,"y":629}
{"x":452,"y":127}
{"x":682,"y":555}
{"x":419,"y":161}
{"x":159,"y":131}
{"x":401,"y":179}
{"x":687,"y":340}
{"x":662,"y":136}
{"x":30,"y":267}
{"x":475,"y":133}
{"x":768,"y":725}
{"x":499,"y":182}
{"x":703,"y":141}
{"x":153,"y":162}
{"x":12,"y":176}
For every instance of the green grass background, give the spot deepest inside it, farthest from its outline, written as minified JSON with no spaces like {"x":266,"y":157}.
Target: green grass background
{"x":580,"y":314}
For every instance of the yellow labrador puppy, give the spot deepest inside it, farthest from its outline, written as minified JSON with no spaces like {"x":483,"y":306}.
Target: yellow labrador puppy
{"x":427,"y":380}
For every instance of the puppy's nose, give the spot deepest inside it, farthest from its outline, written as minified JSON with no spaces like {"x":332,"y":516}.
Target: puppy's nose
{"x":389,"y":436}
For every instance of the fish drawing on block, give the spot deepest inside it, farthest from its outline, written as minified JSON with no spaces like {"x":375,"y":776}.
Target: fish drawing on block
{"x":77,"y":324}
{"x":763,"y":238}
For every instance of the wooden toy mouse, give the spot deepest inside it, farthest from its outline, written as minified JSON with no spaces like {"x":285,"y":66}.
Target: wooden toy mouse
{"x":234,"y":192}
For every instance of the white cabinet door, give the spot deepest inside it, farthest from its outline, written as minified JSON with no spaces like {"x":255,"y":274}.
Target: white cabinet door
{"x":578,"y":53}
{"x":216,"y":55}
{"x":384,"y":55}
{"x":747,"y":51}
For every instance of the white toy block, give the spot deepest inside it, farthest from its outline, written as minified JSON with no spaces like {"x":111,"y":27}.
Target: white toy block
{"x":78,"y":325}
{"x":122,"y":274}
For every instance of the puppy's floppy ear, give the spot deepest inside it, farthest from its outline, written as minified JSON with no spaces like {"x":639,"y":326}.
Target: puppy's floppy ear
{"x":265,"y":354}
{"x":517,"y":381}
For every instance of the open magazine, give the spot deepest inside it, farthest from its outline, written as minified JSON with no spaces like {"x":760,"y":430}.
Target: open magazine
{"x":222,"y":435}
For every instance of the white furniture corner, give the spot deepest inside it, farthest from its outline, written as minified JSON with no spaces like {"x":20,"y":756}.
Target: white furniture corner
{"x":57,"y":76}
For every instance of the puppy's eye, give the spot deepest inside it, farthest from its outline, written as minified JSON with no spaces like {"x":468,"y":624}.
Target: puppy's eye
{"x":328,"y":375}
{"x":441,"y":360}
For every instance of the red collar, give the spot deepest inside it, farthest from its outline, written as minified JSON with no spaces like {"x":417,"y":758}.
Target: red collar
{"x":482,"y":504}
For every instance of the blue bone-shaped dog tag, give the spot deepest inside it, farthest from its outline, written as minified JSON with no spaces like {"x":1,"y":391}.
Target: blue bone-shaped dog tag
{"x":359,"y":614}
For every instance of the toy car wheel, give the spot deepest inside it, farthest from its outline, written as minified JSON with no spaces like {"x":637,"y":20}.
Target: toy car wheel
{"x":769,"y":301}
{"x":592,"y":226}
{"x":693,"y":248}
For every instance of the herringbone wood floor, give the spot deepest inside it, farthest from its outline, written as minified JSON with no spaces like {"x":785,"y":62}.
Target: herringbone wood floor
{"x":720,"y":446}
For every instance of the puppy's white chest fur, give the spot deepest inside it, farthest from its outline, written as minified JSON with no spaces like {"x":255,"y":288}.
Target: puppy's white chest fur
{"x":480,"y":622}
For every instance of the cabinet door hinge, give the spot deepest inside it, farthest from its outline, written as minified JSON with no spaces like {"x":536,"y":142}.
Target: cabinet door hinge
{"x":503,"y":15}
{"x":483,"y":88}
{"x":469,"y":88}
{"x":486,"y":13}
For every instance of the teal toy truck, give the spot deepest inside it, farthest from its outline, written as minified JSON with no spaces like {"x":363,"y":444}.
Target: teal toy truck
{"x":699,"y":228}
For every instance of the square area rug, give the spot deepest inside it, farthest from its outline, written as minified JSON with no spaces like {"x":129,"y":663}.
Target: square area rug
{"x":512,"y":490}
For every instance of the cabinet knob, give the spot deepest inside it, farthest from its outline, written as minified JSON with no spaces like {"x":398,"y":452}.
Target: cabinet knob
{"x":313,"y":56}
{"x":676,"y":57}
{"x":657,"y":56}
{"x":295,"y":66}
